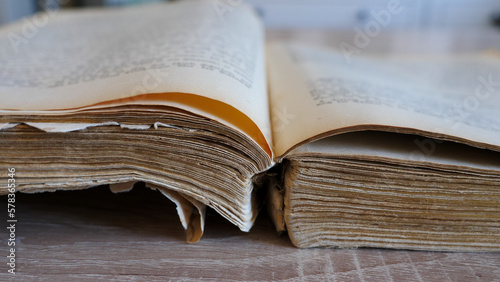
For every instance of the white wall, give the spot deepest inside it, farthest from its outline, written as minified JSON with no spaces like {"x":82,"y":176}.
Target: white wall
{"x":332,"y":13}
{"x":345,"y":13}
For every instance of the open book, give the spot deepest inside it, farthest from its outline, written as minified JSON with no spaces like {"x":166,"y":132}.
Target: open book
{"x":390,"y":152}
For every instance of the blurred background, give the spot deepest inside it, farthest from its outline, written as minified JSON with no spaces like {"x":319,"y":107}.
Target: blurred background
{"x":315,"y":13}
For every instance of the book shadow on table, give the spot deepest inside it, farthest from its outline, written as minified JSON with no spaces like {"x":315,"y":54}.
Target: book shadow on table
{"x":97,"y":214}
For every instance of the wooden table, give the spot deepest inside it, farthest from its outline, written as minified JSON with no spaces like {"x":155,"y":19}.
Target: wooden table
{"x":96,"y":235}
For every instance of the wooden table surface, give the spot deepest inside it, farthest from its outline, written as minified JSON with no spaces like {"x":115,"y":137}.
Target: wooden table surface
{"x":96,"y":235}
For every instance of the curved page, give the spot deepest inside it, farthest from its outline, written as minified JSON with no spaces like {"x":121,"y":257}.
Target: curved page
{"x":68,"y":60}
{"x":318,"y":92}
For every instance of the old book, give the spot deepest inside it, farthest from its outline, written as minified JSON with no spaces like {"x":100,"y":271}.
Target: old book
{"x":346,"y":152}
{"x":414,"y":159}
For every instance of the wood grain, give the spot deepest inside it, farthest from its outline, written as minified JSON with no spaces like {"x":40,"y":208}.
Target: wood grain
{"x":96,"y":235}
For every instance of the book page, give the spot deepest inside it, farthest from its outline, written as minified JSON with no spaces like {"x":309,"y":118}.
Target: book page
{"x":64,"y":60}
{"x":317,"y":92}
{"x":399,"y":149}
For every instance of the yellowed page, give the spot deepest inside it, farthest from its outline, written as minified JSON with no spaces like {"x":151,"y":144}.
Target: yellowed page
{"x":317,"y":92}
{"x":72,"y":59}
{"x":400,"y":149}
